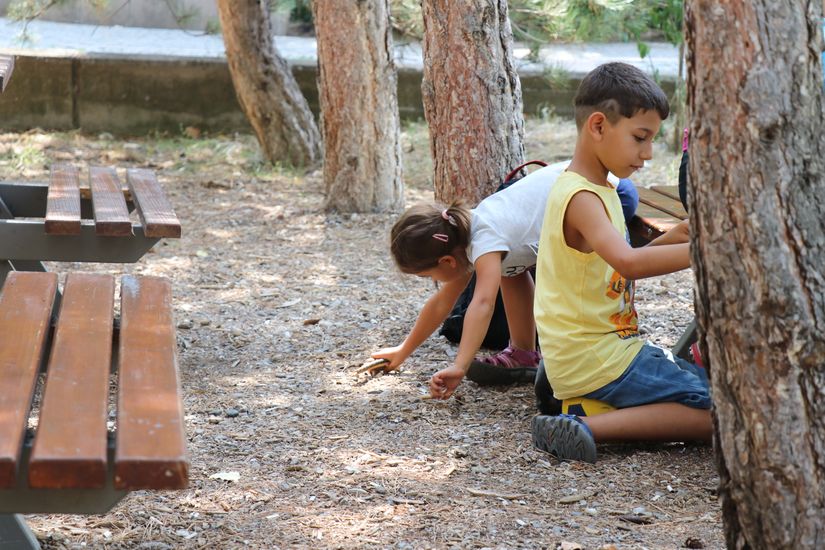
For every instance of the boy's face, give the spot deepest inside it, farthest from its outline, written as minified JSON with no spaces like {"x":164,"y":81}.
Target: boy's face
{"x":627,"y":144}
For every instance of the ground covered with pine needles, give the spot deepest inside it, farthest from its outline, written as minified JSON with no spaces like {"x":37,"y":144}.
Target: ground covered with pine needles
{"x":277,"y":303}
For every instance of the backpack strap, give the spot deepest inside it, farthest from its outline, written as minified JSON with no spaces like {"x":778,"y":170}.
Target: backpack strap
{"x":518,"y":169}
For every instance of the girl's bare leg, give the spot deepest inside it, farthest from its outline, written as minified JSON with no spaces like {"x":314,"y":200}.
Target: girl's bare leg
{"x":654,"y":422}
{"x":517,"y":294}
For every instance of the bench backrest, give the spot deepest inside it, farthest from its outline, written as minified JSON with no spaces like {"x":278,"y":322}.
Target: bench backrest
{"x":70,"y":441}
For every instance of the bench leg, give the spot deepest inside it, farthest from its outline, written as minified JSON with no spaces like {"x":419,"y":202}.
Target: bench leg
{"x":5,"y":269}
{"x":15,"y":534}
{"x":688,"y":338}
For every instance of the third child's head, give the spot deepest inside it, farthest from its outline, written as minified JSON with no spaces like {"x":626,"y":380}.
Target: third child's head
{"x":618,"y":113}
{"x":430,"y":240}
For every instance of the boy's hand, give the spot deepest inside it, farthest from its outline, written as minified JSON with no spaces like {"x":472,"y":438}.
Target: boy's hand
{"x":678,"y":234}
{"x":393,"y":354}
{"x":444,"y":382}
{"x":682,"y":231}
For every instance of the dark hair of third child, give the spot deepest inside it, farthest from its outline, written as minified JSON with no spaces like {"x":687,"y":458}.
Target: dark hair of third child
{"x":618,"y":89}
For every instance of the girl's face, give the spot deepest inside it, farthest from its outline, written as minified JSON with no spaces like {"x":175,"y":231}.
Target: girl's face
{"x":447,"y":270}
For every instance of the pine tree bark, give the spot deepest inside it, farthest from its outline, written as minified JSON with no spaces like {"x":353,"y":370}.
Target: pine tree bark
{"x":757,"y":167}
{"x":472,"y":96}
{"x":266,"y":89}
{"x":358,"y":85}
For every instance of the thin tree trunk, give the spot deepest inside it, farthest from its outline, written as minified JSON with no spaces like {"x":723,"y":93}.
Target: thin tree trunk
{"x":358,"y":90}
{"x":472,"y":96}
{"x":266,"y":89}
{"x":757,"y":171}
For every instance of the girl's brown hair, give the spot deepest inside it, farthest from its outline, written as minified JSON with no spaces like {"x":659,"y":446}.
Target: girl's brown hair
{"x":428,"y":231}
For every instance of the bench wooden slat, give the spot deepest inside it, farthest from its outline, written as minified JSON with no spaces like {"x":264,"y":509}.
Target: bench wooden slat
{"x":671,"y":191}
{"x":109,"y":204}
{"x":156,"y":213}
{"x":25,"y":312}
{"x":70,"y":445}
{"x":150,"y":451}
{"x":63,"y":201}
{"x":6,"y":68}
{"x":666,"y":204}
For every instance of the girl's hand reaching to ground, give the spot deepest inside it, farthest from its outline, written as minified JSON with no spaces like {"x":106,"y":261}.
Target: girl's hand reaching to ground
{"x":444,"y":382}
{"x":393,"y":354}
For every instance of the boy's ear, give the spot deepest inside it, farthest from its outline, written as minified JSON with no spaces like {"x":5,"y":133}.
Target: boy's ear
{"x":595,"y":125}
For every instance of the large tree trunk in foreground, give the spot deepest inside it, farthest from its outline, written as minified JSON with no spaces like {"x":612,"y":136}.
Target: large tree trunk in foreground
{"x":757,"y":169}
{"x":266,"y":89}
{"x":472,"y":96}
{"x":359,"y":106}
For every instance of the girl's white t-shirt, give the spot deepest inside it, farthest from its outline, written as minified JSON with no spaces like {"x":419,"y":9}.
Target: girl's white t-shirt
{"x":510,"y":221}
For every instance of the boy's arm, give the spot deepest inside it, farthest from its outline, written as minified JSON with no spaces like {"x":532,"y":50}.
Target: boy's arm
{"x":585,"y":218}
{"x":435,"y":310}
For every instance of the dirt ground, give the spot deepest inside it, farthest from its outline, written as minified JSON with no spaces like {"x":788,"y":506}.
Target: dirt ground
{"x":276,"y":304}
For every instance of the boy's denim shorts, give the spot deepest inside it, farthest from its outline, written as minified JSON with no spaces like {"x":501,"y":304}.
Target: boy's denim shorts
{"x":656,"y":376}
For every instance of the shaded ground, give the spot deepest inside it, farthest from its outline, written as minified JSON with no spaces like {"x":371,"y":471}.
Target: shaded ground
{"x":276,"y":304}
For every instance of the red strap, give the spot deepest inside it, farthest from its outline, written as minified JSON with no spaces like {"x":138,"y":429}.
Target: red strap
{"x":515,"y":171}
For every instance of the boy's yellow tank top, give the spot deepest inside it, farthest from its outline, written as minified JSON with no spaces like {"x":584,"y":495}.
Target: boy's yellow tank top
{"x":587,"y":325}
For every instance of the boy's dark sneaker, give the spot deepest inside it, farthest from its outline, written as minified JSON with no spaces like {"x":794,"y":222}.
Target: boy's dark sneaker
{"x":564,"y":436}
{"x":509,"y":366}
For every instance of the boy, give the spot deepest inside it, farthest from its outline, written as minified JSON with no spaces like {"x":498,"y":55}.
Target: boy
{"x":586,"y":321}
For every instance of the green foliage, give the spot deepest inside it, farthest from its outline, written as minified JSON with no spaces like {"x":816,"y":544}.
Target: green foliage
{"x":406,"y":17}
{"x":557,"y":77}
{"x":28,"y":10}
{"x":300,"y":11}
{"x":213,"y":26}
{"x":28,"y":157}
{"x":537,"y":22}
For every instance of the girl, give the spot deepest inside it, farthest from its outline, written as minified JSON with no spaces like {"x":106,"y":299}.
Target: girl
{"x":499,"y":241}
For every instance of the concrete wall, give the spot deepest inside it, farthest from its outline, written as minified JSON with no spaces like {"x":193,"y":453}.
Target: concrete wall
{"x":196,"y":15}
{"x":132,"y":97}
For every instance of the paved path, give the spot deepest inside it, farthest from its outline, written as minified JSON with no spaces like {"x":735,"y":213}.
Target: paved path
{"x":70,"y":40}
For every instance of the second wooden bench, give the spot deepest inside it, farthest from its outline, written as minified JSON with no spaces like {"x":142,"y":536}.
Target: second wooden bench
{"x":69,"y":458}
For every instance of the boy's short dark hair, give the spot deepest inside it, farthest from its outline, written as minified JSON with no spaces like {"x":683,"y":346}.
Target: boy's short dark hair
{"x":618,"y":89}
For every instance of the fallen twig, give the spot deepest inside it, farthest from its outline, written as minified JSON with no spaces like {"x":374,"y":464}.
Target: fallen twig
{"x":483,"y":493}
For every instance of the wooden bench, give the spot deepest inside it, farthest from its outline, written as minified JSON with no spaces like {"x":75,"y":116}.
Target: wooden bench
{"x":66,"y":222}
{"x":58,"y":452}
{"x":659,"y":210}
{"x":6,"y":68}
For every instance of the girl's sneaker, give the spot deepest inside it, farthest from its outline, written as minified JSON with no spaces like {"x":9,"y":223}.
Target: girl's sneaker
{"x":509,"y":366}
{"x":564,"y":436}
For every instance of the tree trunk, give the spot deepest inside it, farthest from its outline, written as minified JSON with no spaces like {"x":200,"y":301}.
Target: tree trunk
{"x":359,"y":106}
{"x":472,"y":96}
{"x":757,"y":163}
{"x":266,"y":89}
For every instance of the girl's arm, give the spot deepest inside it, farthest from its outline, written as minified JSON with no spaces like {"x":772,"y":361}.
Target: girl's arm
{"x":480,"y":310}
{"x":435,"y":310}
{"x":476,"y":322}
